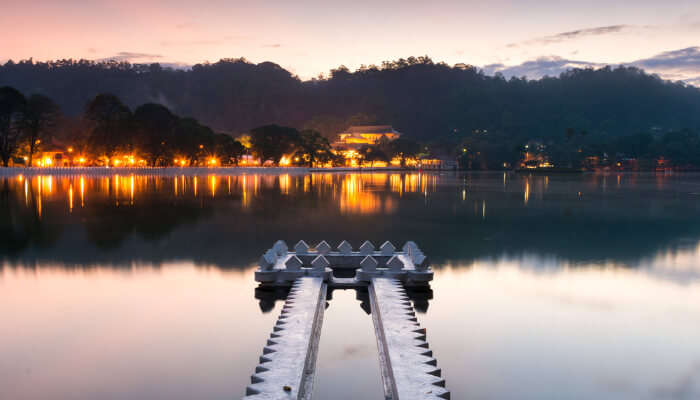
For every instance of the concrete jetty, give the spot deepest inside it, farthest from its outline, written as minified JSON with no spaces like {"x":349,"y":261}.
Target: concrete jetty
{"x":409,"y":371}
{"x":286,"y":369}
{"x":281,"y":266}
{"x":288,"y":361}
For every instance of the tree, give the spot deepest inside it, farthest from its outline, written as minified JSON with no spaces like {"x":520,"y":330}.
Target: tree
{"x":404,"y":149}
{"x":229,"y":149}
{"x":313,"y":146}
{"x":272,"y":142}
{"x":39,"y":117}
{"x":110,"y":121}
{"x":155,"y":126}
{"x":373,"y":154}
{"x":12,"y":106}
{"x":192,"y":140}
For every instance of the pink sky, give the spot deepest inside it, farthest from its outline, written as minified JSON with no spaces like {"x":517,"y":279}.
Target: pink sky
{"x":311,"y":37}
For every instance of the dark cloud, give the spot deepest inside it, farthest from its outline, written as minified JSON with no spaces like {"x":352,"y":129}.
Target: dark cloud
{"x":679,"y":59}
{"x":535,"y":69}
{"x":131,"y":56}
{"x":570,"y":35}
{"x":677,"y":65}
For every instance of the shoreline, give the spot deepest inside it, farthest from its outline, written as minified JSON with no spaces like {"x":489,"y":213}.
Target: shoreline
{"x":228,"y":171}
{"x":175,"y":171}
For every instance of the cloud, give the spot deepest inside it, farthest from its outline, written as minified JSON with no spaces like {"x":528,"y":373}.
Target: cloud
{"x":676,"y":65}
{"x":272,"y":46}
{"x":683,"y":64}
{"x":131,"y":56}
{"x":571,"y":35}
{"x":538,"y":68}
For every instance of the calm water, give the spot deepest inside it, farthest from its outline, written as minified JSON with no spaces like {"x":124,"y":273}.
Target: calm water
{"x":546,"y":287}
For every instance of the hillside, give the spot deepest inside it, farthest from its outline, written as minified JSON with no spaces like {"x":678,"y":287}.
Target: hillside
{"x":425,"y":100}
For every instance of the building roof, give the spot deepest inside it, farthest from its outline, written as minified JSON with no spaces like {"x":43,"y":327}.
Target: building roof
{"x":371,"y":129}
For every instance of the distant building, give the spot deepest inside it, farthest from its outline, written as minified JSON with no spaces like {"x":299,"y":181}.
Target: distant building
{"x":358,"y":136}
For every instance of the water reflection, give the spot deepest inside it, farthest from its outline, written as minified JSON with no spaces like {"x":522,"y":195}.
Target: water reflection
{"x":224,"y":220}
{"x":546,"y":287}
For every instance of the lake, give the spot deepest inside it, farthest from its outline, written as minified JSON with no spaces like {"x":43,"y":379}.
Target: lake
{"x":546,"y":286}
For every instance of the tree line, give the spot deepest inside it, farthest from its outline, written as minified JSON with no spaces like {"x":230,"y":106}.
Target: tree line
{"x":445,"y":108}
{"x":425,"y":100}
{"x":109,"y":130}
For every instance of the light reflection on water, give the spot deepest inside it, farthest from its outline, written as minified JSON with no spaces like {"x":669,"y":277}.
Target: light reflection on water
{"x":547,"y":287}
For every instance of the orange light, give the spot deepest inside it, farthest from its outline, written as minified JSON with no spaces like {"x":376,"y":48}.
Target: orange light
{"x":70,"y":149}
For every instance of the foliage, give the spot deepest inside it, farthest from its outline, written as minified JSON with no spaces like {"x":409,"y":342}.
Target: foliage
{"x":313,"y":147}
{"x":271,"y":142}
{"x":426,"y":101}
{"x":12,"y":108}
{"x":38,"y":122}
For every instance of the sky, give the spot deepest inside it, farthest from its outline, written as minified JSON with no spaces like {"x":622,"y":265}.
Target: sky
{"x":309,"y":37}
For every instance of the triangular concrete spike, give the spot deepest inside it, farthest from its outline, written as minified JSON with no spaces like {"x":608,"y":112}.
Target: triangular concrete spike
{"x":395,"y":264}
{"x":421,"y":261}
{"x":387,"y":248}
{"x":293,"y":263}
{"x":410,"y":246}
{"x":268,"y":260}
{"x":320,"y":263}
{"x":367,"y":248}
{"x":369,"y":264}
{"x":323,"y":247}
{"x":265,"y":264}
{"x":345,"y":247}
{"x":280,"y":247}
{"x":301,"y":247}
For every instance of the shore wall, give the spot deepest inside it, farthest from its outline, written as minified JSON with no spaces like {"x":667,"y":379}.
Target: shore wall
{"x":165,"y":171}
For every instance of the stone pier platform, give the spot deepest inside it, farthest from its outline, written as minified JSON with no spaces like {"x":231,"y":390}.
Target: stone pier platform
{"x":409,"y":371}
{"x":287,"y":365}
{"x":288,"y":361}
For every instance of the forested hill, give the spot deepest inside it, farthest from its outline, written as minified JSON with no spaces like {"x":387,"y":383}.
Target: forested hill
{"x":424,"y":100}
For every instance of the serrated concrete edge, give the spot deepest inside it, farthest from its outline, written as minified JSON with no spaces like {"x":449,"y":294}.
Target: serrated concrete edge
{"x":288,"y":362}
{"x":409,"y":371}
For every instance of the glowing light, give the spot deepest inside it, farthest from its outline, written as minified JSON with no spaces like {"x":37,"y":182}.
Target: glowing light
{"x":82,"y":160}
{"x":70,"y":198}
{"x":213,"y":186}
{"x":213,"y":161}
{"x":285,"y":161}
{"x":284,"y":184}
{"x":131,"y":183}
{"x":527,"y":192}
{"x":70,"y":149}
{"x":82,"y":192}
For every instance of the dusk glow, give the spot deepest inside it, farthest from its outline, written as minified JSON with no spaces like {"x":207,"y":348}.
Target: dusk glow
{"x":311,"y":37}
{"x":350,"y":200}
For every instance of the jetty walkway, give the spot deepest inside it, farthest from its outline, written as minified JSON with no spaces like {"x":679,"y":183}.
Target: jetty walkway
{"x":287,"y":364}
